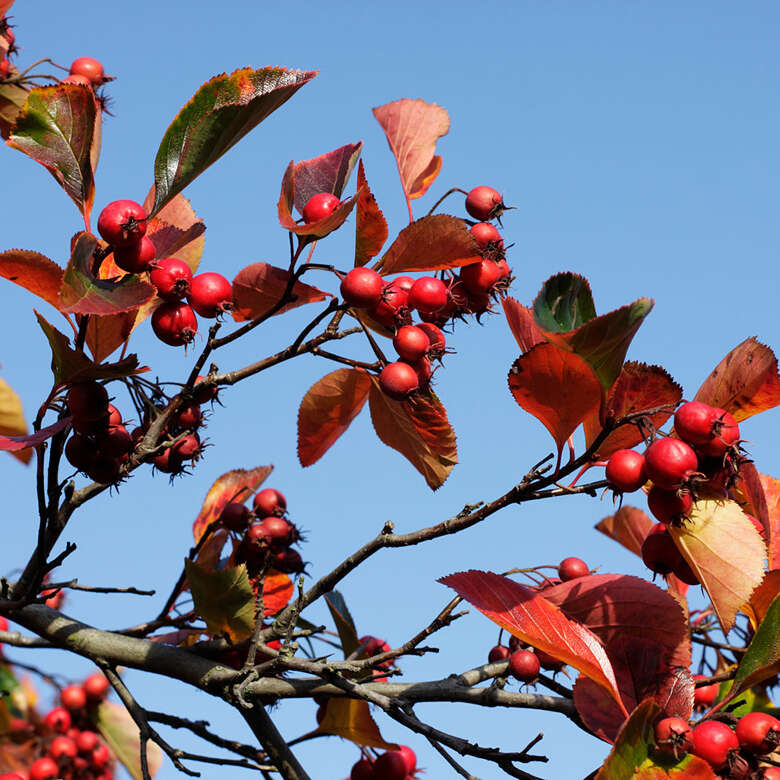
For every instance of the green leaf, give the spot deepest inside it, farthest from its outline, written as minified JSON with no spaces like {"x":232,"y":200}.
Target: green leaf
{"x":84,"y":293}
{"x":119,"y":730}
{"x":762,"y":659}
{"x":56,"y":127}
{"x":564,"y":303}
{"x":219,"y":115}
{"x":344,"y":623}
{"x":224,"y":599}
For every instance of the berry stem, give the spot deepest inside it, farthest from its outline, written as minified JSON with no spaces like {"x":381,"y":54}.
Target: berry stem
{"x":444,"y":197}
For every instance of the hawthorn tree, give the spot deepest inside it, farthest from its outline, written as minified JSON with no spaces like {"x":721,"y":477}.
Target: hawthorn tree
{"x":233,"y":623}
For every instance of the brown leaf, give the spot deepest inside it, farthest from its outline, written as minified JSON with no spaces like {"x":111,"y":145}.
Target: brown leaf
{"x":121,"y":733}
{"x":638,"y":387}
{"x":628,"y":526}
{"x":431,"y":244}
{"x":12,"y":422}
{"x":745,"y":382}
{"x":351,"y":719}
{"x":370,"y":223}
{"x":412,"y":128}
{"x":327,"y":173}
{"x":772,"y":496}
{"x":33,"y":271}
{"x":522,"y":324}
{"x":556,"y":387}
{"x":417,"y":428}
{"x":259,"y":287}
{"x":327,"y":410}
{"x":107,"y":333}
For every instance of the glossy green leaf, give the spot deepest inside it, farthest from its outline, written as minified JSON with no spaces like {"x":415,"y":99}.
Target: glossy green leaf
{"x":120,"y":731}
{"x":56,"y":127}
{"x":219,"y":115}
{"x":345,"y":625}
{"x":564,"y":303}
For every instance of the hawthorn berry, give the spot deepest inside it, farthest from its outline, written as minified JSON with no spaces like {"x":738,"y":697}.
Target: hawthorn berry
{"x":625,"y":471}
{"x":44,"y":769}
{"x":362,"y":770}
{"x":479,"y":278}
{"x":725,"y":434}
{"x":58,"y":720}
{"x":411,"y":343}
{"x":202,"y":393}
{"x":172,"y":278}
{"x":428,"y":295}
{"x":62,"y":747}
{"x":669,"y":506}
{"x":90,"y":68}
{"x":73,"y":697}
{"x":409,"y":757}
{"x":100,"y":756}
{"x":758,"y":732}
{"x":713,"y":741}
{"x":390,"y":766}
{"x":498,"y":653}
{"x":394,"y":303}
{"x":88,"y":401}
{"x":398,"y":380}
{"x":114,"y":442}
{"x":436,"y":338}
{"x":524,"y":665}
{"x":572,"y":569}
{"x":276,"y":531}
{"x":5,"y":68}
{"x":659,"y":552}
{"x":485,"y":234}
{"x":135,"y":258}
{"x":704,"y":695}
{"x":673,"y":736}
{"x":96,"y":687}
{"x":288,"y":561}
{"x":235,"y":517}
{"x":484,"y":203}
{"x":80,"y":452}
{"x":189,"y":417}
{"x":104,"y":470}
{"x":549,"y":662}
{"x":683,"y":571}
{"x":269,"y":501}
{"x":362,"y":288}
{"x":174,"y":323}
{"x":319,"y":206}
{"x":122,"y":223}
{"x":11,"y":776}
{"x":693,"y":422}
{"x":210,"y":294}
{"x":424,"y":371}
{"x":669,"y":462}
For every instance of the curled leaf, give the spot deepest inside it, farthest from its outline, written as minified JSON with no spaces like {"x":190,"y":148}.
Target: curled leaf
{"x":628,"y":526}
{"x":521,"y":322}
{"x":564,"y":303}
{"x":370,"y":223}
{"x":327,"y":173}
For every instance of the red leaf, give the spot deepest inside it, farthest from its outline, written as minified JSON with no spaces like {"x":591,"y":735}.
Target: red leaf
{"x":34,"y":272}
{"x":522,"y":324}
{"x":745,"y":382}
{"x":176,"y":230}
{"x":370,"y":223}
{"x":749,"y":493}
{"x":259,"y":287}
{"x":327,"y":410}
{"x":412,"y":128}
{"x":556,"y":387}
{"x":599,"y":712}
{"x":772,"y":493}
{"x":16,"y":443}
{"x":321,"y":227}
{"x":628,"y":526}
{"x":431,"y":244}
{"x":234,"y":485}
{"x":638,"y":387}
{"x":417,"y":428}
{"x":327,"y":173}
{"x":675,"y":694}
{"x":278,"y":589}
{"x":527,"y":615}
{"x":108,"y":333}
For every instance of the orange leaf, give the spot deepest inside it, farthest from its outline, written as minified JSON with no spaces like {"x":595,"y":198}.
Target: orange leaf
{"x":726,"y":553}
{"x":772,"y":493}
{"x":278,"y":589}
{"x":327,"y":410}
{"x":12,"y":422}
{"x":109,"y":332}
{"x":745,"y":382}
{"x":417,"y":428}
{"x":370,"y":223}
{"x":351,"y":719}
{"x":259,"y":287}
{"x":431,"y":244}
{"x":556,"y":387}
{"x":764,"y":595}
{"x":33,"y":271}
{"x":412,"y":128}
{"x":234,"y":485}
{"x":628,"y":526}
{"x":522,"y":324}
{"x":637,"y":387}
{"x":530,"y":617}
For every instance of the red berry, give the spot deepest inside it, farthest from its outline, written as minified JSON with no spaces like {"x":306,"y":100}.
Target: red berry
{"x":485,"y":234}
{"x":674,"y":737}
{"x":288,"y":561}
{"x":435,"y":336}
{"x":693,"y":422}
{"x":202,"y":393}
{"x":549,"y":662}
{"x":122,"y":222}
{"x":100,"y":756}
{"x":114,"y":415}
{"x":44,"y":769}
{"x":319,"y":206}
{"x":524,"y":665}
{"x":235,"y":516}
{"x":269,"y":501}
{"x":362,"y":288}
{"x":82,"y":81}
{"x":169,"y":461}
{"x":210,"y":294}
{"x":189,"y":417}
{"x":88,"y":401}
{"x":625,"y":471}
{"x":498,"y":653}
{"x":96,"y":687}
{"x":712,"y":741}
{"x":659,"y":552}
{"x":390,"y":766}
{"x":105,"y":470}
{"x":73,"y":697}
{"x":683,"y":571}
{"x":758,"y":732}
{"x":398,"y":380}
{"x":572,"y":569}
{"x":409,"y":757}
{"x":479,"y":278}
{"x":58,"y":720}
{"x":362,"y":770}
{"x":669,"y":461}
{"x":669,"y":506}
{"x":80,"y":452}
{"x":62,"y":747}
{"x":484,"y":203}
{"x":704,"y":695}
{"x":89,"y":68}
{"x":424,"y":371}
{"x":725,"y":434}
{"x":137,"y":257}
{"x":411,"y":343}
{"x":276,"y":531}
{"x":172,"y":278}
{"x":428,"y":295}
{"x":174,"y":324}
{"x":114,"y":442}
{"x":394,"y":303}
{"x":769,"y":773}
{"x":11,"y":776}
{"x":5,"y":68}
{"x":504,"y":271}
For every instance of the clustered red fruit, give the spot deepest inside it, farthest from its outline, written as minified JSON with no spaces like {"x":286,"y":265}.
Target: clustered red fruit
{"x":7,"y":49}
{"x":398,"y":764}
{"x":661,"y":556}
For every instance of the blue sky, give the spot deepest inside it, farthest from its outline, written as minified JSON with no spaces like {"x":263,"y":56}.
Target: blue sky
{"x":639,"y":144}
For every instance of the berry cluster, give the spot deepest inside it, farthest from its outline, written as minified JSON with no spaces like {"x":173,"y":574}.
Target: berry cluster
{"x":8,"y":49}
{"x":268,"y":542}
{"x":123,"y":224}
{"x":88,"y":72}
{"x":733,"y":752}
{"x":437,"y":301}
{"x":398,"y":764}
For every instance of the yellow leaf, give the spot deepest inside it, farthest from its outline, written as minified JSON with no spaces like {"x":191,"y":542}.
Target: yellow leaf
{"x":12,"y":419}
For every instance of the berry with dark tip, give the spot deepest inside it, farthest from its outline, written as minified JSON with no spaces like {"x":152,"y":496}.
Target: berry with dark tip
{"x":714,"y":741}
{"x":136,"y":258}
{"x":210,"y":294}
{"x":172,"y":278}
{"x":484,"y":203}
{"x":362,"y":288}
{"x":122,"y":223}
{"x":58,"y":720}
{"x":674,"y":737}
{"x":174,"y":324}
{"x":235,"y":517}
{"x":669,"y":506}
{"x":269,"y":501}
{"x":411,"y":343}
{"x":398,"y":380}
{"x":524,"y":665}
{"x":89,"y":68}
{"x":758,"y":732}
{"x":669,"y":462}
